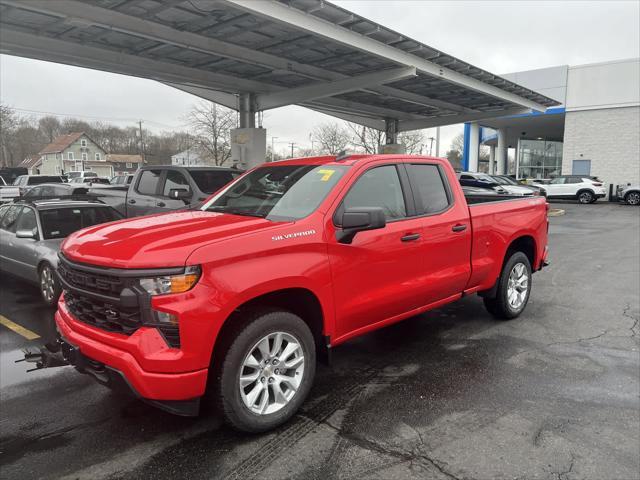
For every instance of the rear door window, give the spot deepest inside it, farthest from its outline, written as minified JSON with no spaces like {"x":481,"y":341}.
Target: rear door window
{"x":149,"y":182}
{"x":429,"y":185}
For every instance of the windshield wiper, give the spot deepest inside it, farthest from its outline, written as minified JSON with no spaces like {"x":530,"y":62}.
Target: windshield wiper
{"x":232,"y":211}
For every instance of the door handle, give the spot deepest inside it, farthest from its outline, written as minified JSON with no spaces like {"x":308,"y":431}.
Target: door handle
{"x":410,"y":237}
{"x":132,"y":201}
{"x":161,"y":204}
{"x":459,"y":227}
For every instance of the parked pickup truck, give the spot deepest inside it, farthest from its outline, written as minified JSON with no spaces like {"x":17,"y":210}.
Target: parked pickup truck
{"x":239,"y":297}
{"x":156,"y":189}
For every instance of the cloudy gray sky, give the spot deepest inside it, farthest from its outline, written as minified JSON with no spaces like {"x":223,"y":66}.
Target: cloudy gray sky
{"x":499,"y":36}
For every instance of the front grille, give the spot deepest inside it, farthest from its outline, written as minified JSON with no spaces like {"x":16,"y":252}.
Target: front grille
{"x":111,"y":299}
{"x":103,"y":315}
{"x":101,"y":284}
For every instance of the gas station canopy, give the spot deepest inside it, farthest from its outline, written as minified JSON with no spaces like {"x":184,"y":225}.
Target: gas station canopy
{"x":256,"y":55}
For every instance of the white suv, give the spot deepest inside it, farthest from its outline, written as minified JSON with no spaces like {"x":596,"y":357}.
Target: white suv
{"x":583,"y":188}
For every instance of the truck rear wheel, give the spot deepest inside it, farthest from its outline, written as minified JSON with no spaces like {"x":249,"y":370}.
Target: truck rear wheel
{"x":266,"y":371}
{"x":514,"y":287}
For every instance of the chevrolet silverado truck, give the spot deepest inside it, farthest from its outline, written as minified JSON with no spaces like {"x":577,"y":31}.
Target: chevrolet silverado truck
{"x":156,"y":189}
{"x":231,"y":303}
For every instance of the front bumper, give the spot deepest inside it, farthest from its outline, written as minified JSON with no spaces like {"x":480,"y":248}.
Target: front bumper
{"x":150,"y":386}
{"x":115,"y":379}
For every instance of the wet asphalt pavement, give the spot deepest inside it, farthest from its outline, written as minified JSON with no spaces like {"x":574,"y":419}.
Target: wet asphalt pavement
{"x":452,"y":394}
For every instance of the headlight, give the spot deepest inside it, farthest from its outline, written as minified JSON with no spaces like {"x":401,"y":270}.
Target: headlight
{"x":171,"y":283}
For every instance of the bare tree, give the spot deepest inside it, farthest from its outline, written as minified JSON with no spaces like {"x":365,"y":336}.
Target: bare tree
{"x":332,"y":137}
{"x":8,"y":124}
{"x":212,"y":126}
{"x":364,"y":138}
{"x":50,"y":127}
{"x":412,"y":141}
{"x":457,"y":143}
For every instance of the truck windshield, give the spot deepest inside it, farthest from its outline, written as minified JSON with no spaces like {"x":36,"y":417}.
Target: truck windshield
{"x":287,"y":192}
{"x":61,"y":222}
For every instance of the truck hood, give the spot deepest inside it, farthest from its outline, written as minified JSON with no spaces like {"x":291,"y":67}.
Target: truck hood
{"x":164,"y":240}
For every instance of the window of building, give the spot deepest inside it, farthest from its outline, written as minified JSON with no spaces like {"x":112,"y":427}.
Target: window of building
{"x":98,"y":156}
{"x":432,"y":192}
{"x":378,"y":187}
{"x":539,"y":158}
{"x":85,"y":157}
{"x":129,"y":165}
{"x":69,"y":155}
{"x":83,"y":143}
{"x":148,"y":183}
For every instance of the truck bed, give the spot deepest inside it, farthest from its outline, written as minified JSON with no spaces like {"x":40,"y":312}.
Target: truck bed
{"x":494,"y":222}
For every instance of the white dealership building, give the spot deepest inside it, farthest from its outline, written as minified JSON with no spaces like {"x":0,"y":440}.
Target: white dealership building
{"x":596,"y":130}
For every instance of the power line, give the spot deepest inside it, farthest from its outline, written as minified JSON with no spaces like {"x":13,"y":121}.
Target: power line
{"x":93,"y":117}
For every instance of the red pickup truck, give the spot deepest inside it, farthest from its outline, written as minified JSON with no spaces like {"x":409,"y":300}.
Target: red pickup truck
{"x":238,"y":297}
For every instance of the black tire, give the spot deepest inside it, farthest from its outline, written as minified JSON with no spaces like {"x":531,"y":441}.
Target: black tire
{"x":585,"y":197}
{"x":632,"y":198}
{"x":226,"y":374}
{"x":500,"y":307}
{"x":47,"y":274}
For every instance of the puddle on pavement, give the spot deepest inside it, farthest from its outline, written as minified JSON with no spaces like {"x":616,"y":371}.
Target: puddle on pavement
{"x":12,"y":373}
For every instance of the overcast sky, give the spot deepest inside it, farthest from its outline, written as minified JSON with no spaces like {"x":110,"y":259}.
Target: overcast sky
{"x":499,"y":36}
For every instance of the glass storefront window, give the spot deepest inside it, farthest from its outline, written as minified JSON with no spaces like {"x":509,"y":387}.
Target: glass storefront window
{"x":539,"y":158}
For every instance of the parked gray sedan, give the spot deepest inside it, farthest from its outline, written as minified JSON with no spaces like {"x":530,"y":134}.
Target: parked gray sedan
{"x":31,"y":234}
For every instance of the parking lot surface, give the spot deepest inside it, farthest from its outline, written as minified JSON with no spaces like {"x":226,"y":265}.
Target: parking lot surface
{"x":452,"y":394}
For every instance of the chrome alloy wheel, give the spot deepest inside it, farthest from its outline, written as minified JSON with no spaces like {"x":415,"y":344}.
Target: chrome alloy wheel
{"x":633,"y":198}
{"x":47,"y":283}
{"x":271,"y":373}
{"x":585,"y":197}
{"x":518,"y":286}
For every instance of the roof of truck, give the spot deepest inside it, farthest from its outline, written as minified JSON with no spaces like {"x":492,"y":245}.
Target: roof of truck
{"x":347,"y":159}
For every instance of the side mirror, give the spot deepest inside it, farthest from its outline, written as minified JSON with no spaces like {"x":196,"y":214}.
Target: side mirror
{"x":179,"y":193}
{"x":360,"y":219}
{"x":26,"y":234}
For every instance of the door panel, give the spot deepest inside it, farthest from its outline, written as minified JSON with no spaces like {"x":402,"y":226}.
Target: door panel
{"x":446,"y":250}
{"x":8,"y":225}
{"x":19,"y":253}
{"x":142,"y":200}
{"x":378,"y":275}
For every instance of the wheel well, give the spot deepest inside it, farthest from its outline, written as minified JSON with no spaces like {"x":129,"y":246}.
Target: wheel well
{"x":526,"y":245}
{"x":585,"y":190}
{"x":300,"y":301}
{"x":41,"y":264}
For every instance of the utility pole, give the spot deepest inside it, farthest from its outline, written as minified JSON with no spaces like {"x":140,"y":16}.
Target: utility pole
{"x":292,"y":145}
{"x":142,"y":153}
{"x":431,"y":139}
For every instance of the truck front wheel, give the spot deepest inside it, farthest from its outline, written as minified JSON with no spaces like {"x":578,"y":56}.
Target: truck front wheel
{"x":514,"y":287}
{"x":266,"y":371}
